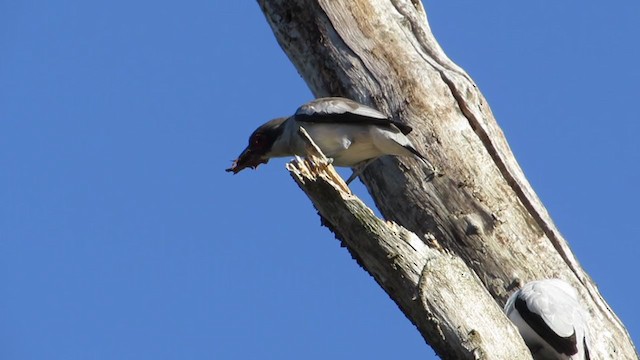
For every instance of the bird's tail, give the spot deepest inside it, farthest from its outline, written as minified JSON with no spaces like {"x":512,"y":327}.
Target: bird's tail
{"x":422,"y":158}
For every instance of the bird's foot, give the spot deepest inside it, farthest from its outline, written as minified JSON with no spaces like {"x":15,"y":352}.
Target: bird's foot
{"x":358,"y":170}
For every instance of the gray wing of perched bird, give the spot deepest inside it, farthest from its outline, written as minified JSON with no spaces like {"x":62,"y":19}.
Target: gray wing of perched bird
{"x":350,"y":132}
{"x":342,"y":110}
{"x":550,"y":319}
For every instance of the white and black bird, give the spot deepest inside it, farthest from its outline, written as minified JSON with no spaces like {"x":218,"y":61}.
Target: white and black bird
{"x":550,"y":319}
{"x":347,"y":132}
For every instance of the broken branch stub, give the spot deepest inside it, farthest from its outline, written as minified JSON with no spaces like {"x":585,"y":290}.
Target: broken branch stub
{"x":431,"y":286}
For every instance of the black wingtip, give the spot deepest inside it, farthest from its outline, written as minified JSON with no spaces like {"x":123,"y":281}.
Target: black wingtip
{"x":586,"y":350}
{"x":563,"y":345}
{"x":416,"y":153}
{"x":405,"y":129}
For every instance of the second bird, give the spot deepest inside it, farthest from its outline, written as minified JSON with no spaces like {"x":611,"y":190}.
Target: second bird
{"x":550,"y":319}
{"x":348,"y":132}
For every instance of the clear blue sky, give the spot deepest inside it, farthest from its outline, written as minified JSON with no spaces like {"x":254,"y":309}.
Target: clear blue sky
{"x":121,"y":236}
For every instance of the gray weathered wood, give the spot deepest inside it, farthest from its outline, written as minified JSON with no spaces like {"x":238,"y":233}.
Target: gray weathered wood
{"x":483,"y":210}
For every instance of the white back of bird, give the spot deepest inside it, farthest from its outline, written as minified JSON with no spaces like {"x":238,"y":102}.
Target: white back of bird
{"x":556,"y":303}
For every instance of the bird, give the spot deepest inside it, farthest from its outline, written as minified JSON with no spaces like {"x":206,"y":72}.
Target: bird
{"x":350,"y":134}
{"x":550,"y":319}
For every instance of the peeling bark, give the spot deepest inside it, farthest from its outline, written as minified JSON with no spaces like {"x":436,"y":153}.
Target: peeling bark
{"x":481,"y":210}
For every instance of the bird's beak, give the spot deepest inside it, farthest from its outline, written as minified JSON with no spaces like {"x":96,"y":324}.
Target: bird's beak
{"x":248,"y":158}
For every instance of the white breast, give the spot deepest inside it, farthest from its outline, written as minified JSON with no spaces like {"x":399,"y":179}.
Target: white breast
{"x":347,"y":145}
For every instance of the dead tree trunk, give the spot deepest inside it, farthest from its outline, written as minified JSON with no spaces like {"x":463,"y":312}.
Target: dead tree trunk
{"x":483,"y":230}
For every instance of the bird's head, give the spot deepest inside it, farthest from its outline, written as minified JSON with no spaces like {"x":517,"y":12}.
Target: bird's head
{"x":260,"y":144}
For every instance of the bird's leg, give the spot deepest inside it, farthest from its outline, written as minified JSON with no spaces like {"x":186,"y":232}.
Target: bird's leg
{"x":352,"y":177}
{"x":363,"y":165}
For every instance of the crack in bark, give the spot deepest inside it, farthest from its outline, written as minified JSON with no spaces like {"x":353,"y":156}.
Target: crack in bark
{"x":434,"y":58}
{"x":442,"y":65}
{"x":514,"y":184}
{"x":508,"y":176}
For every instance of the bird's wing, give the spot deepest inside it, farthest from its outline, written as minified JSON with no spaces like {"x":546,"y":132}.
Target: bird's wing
{"x":551,"y":313}
{"x":556,"y":307}
{"x":342,"y":110}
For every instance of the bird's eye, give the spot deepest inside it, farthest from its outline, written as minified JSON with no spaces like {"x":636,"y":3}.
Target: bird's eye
{"x":257,"y":140}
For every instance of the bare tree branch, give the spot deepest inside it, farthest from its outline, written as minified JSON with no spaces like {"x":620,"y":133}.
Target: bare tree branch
{"x":431,"y":286}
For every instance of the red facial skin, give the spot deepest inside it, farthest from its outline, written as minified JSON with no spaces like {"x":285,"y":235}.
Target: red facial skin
{"x":252,"y":156}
